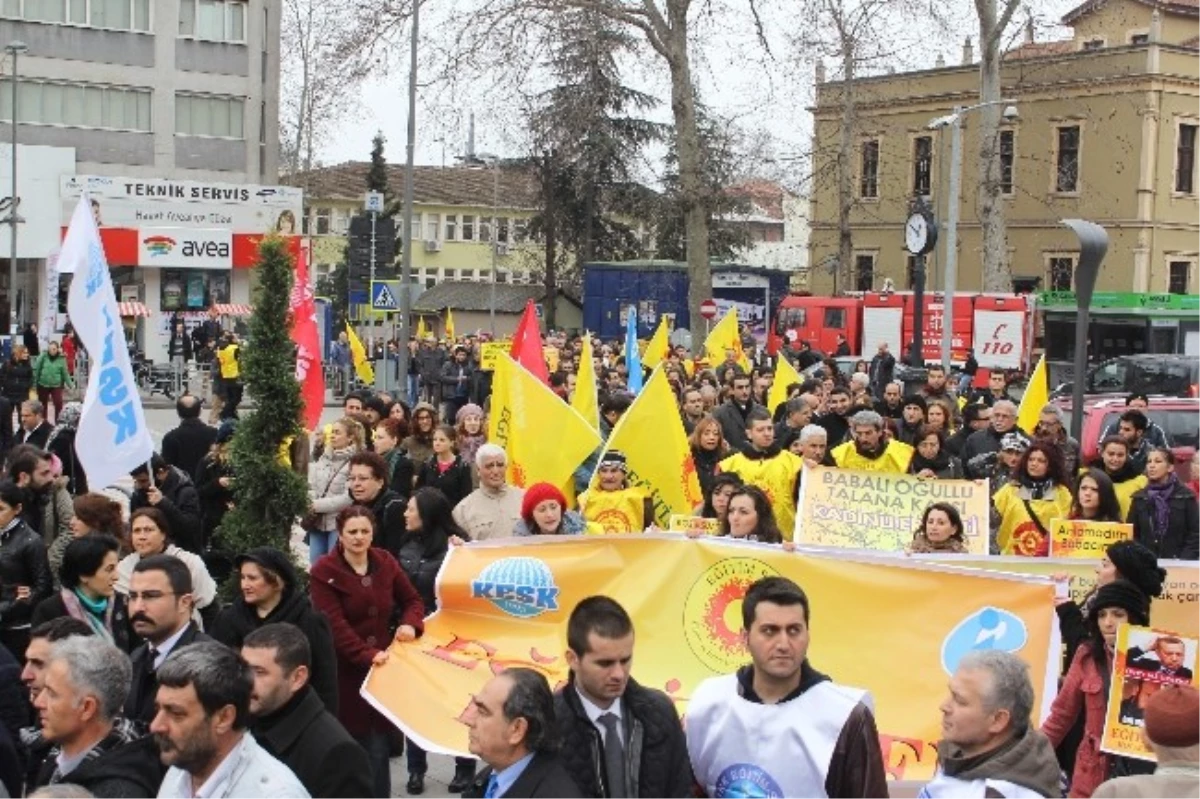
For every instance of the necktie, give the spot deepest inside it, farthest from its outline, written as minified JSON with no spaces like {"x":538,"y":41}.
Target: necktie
{"x":492,"y":787}
{"x":614,"y":754}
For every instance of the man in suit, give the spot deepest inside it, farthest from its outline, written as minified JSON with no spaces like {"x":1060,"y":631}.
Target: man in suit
{"x":291,"y":722}
{"x":35,"y":430}
{"x":1169,"y":653}
{"x":511,"y":727}
{"x":160,"y":610}
{"x":188,"y":443}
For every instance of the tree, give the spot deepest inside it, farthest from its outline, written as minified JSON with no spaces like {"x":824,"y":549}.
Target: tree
{"x":268,"y":495}
{"x":336,"y":287}
{"x":994,"y":17}
{"x":377,"y":174}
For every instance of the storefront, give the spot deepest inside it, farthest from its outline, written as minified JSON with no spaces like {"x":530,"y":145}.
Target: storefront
{"x":177,"y":248}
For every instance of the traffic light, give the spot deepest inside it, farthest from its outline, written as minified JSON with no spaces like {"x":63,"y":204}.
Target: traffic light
{"x":359,"y":250}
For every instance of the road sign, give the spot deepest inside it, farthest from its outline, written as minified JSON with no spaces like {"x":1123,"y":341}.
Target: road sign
{"x":385,"y":295}
{"x":708,"y":309}
{"x":374,"y":202}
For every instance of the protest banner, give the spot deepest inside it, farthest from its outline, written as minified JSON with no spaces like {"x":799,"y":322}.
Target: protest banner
{"x":680,"y":523}
{"x":506,"y":603}
{"x":488,"y":351}
{"x":880,"y":510}
{"x":1177,"y":609}
{"x":1144,"y":661}
{"x":1083,"y":539}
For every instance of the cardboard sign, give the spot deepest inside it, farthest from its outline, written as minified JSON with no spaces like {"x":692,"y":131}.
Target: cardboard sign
{"x":1079,"y":538}
{"x":679,"y":523}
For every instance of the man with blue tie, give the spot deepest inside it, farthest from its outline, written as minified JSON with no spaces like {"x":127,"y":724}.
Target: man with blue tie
{"x":512,"y":729}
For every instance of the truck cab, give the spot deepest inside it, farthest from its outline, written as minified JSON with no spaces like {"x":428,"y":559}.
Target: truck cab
{"x":817,"y":320}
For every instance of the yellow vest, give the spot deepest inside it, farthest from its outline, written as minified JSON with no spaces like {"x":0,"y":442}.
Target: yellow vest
{"x":621,"y":511}
{"x":227,"y":358}
{"x":894,"y":459}
{"x":1018,"y":534}
{"x":777,"y":478}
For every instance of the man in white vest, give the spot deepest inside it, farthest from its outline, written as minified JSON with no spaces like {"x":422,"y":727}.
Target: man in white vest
{"x":778,"y":727}
{"x":989,"y":746}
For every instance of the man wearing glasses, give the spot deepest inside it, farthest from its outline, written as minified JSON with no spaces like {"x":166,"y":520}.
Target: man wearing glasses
{"x":160,"y":610}
{"x":986,"y":442}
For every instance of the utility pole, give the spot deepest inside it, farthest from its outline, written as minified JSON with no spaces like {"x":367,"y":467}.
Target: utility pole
{"x":407,"y":237}
{"x":373,"y":205}
{"x":14,"y":49}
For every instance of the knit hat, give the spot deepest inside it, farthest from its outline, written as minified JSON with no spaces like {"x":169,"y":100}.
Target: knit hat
{"x":1013,"y":443}
{"x":535,"y":495}
{"x":916,"y":399}
{"x":1122,"y":594}
{"x":470,"y":409}
{"x":614,"y":457}
{"x":1172,"y":716}
{"x":271,"y":559}
{"x":1139,"y":566}
{"x":226,"y":430}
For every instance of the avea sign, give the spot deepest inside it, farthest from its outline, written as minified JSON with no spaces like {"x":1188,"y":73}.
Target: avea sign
{"x":186,"y":248}
{"x":205,"y":249}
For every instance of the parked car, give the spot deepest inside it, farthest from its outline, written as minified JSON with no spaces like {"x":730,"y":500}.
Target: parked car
{"x":1168,"y":375}
{"x":1178,"y":417}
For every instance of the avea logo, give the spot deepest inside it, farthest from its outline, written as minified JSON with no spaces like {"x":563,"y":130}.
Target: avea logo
{"x":986,"y":628}
{"x":158,"y":245}
{"x":521,"y":587}
{"x":746,"y":780}
{"x":204,"y":249}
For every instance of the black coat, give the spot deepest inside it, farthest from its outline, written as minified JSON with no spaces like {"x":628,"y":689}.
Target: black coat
{"x":37,"y":437}
{"x":421,"y":568}
{"x":18,"y":379}
{"x":309,"y":740}
{"x":214,"y":497}
{"x":1181,"y":538}
{"x":53,"y":607}
{"x":128,"y":767}
{"x":23,"y":561}
{"x":186,"y":445}
{"x":238,"y":620}
{"x":181,"y":504}
{"x":63,"y":446}
{"x":143,"y":688}
{"x":455,"y":482}
{"x":543,"y":777}
{"x":388,"y":508}
{"x":654,"y":740}
{"x":14,"y":709}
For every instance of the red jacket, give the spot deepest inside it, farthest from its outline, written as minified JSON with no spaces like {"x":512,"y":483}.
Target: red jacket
{"x":1082,"y":691}
{"x":359,"y":609}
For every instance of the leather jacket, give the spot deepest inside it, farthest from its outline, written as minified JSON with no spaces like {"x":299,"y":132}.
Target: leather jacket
{"x":23,"y":561}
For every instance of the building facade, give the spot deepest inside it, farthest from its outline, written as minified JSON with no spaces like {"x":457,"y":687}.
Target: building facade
{"x":1107,"y":131}
{"x":171,"y":108}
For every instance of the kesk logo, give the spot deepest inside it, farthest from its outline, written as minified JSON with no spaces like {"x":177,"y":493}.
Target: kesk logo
{"x":158,"y":245}
{"x":521,"y":587}
{"x":986,"y":628}
{"x":712,"y":614}
{"x":746,"y":780}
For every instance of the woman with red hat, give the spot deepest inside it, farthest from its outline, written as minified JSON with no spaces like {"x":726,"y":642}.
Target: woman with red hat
{"x":544,"y":512}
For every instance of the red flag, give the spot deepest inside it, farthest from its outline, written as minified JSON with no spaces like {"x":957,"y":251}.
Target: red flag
{"x":308,"y":347}
{"x":527,"y":345}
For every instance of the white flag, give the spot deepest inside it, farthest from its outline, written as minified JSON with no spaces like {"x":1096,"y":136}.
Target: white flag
{"x":113,"y":437}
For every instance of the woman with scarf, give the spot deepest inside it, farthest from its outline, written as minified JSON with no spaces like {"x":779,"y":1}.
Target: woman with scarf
{"x":544,"y":512}
{"x":94,"y":513}
{"x":327,"y":479}
{"x":401,"y":470}
{"x":419,"y":444}
{"x":1115,"y":463}
{"x":708,"y":449}
{"x":89,"y":578}
{"x":472,"y":434}
{"x":61,"y":444}
{"x":931,"y":459}
{"x":1164,"y":514}
{"x":941,"y":531}
{"x":1023,"y":510}
{"x":1084,"y":691}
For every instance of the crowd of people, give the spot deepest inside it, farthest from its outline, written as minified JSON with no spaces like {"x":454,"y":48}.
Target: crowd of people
{"x":140,"y":680}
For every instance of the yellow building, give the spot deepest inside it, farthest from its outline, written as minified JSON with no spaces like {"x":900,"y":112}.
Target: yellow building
{"x":1107,"y":131}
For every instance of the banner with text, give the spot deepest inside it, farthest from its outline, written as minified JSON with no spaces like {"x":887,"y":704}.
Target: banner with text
{"x":880,"y":511}
{"x":680,"y":523}
{"x":1083,"y":539}
{"x":506,"y":603}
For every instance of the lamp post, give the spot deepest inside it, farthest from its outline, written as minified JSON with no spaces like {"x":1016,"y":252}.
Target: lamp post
{"x":1093,"y":244}
{"x":492,"y":161}
{"x":14,"y":49}
{"x":954,"y":122}
{"x":407,"y":237}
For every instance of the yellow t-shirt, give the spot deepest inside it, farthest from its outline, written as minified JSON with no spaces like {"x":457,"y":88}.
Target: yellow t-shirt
{"x":227,"y":358}
{"x":895,"y":458}
{"x":1018,"y":534}
{"x":611,"y":512}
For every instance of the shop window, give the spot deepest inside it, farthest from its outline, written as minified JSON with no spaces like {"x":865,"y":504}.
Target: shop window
{"x":193,"y":289}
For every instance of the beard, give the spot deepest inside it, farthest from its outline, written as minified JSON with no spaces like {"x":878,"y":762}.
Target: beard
{"x":870,"y":452}
{"x":197,"y":751}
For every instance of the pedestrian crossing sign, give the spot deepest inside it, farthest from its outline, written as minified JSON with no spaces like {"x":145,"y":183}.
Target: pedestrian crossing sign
{"x":385,"y":295}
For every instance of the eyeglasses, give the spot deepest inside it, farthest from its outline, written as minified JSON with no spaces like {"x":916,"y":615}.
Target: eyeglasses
{"x":148,"y":596}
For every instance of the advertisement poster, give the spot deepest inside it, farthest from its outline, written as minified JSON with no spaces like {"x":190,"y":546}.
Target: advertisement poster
{"x":1084,"y":539}
{"x":1145,"y":661}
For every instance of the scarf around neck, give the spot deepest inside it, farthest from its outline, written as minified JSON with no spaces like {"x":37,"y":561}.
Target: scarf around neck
{"x":1160,"y":499}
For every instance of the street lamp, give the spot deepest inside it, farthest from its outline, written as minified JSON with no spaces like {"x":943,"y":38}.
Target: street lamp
{"x":492,"y":161}
{"x":14,"y":49}
{"x":954,"y":122}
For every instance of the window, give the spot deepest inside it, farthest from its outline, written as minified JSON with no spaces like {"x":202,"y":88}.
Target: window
{"x":468,"y":228}
{"x":1139,"y":38}
{"x":213,"y":20}
{"x":433,"y":223}
{"x":449,"y":274}
{"x":1093,"y":44}
{"x":502,"y":230}
{"x":126,"y":15}
{"x":922,"y":165}
{"x":1185,"y":159}
{"x":208,"y":115}
{"x":451,"y":227}
{"x":485,"y":228}
{"x":341,"y":221}
{"x":869,"y":181}
{"x":1008,"y":152}
{"x":1178,"y":273}
{"x":415,"y":232}
{"x":864,"y":272}
{"x":1067,"y":167}
{"x":322,"y":221}
{"x":835,"y":318}
{"x":1062,"y":272}
{"x":78,"y":105}
{"x":520,"y":230}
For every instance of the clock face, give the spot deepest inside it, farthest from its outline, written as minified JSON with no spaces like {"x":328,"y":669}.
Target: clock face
{"x":916,"y":234}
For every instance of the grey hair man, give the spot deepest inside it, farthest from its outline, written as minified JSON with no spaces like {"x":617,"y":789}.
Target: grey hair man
{"x":200,"y":728}
{"x":797,"y":413}
{"x":987,"y":441}
{"x":814,"y":445}
{"x":493,"y":509}
{"x":86,"y":681}
{"x":1052,"y":427}
{"x":871,"y":450}
{"x":989,"y":745}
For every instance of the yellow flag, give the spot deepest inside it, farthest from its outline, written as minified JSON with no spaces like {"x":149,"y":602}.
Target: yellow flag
{"x":656,"y":350}
{"x":585,"y":398}
{"x":785,"y":375}
{"x":1037,"y":394}
{"x":449,"y":324}
{"x":545,"y":438}
{"x":422,"y":331}
{"x":362,"y":366}
{"x":725,"y":336}
{"x":651,"y":436}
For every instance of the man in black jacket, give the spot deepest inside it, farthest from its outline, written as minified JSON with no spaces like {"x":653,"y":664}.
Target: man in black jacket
{"x":35,"y":430}
{"x":173,"y":493}
{"x":732,"y":414}
{"x":187,"y":444}
{"x":601,"y":704}
{"x":290,"y":721}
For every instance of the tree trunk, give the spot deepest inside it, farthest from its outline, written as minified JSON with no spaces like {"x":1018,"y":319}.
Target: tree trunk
{"x":842,"y":277}
{"x":997,"y":271}
{"x":549,"y":302}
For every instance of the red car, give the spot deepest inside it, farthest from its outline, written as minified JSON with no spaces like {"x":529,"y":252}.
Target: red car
{"x":1178,"y":417}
